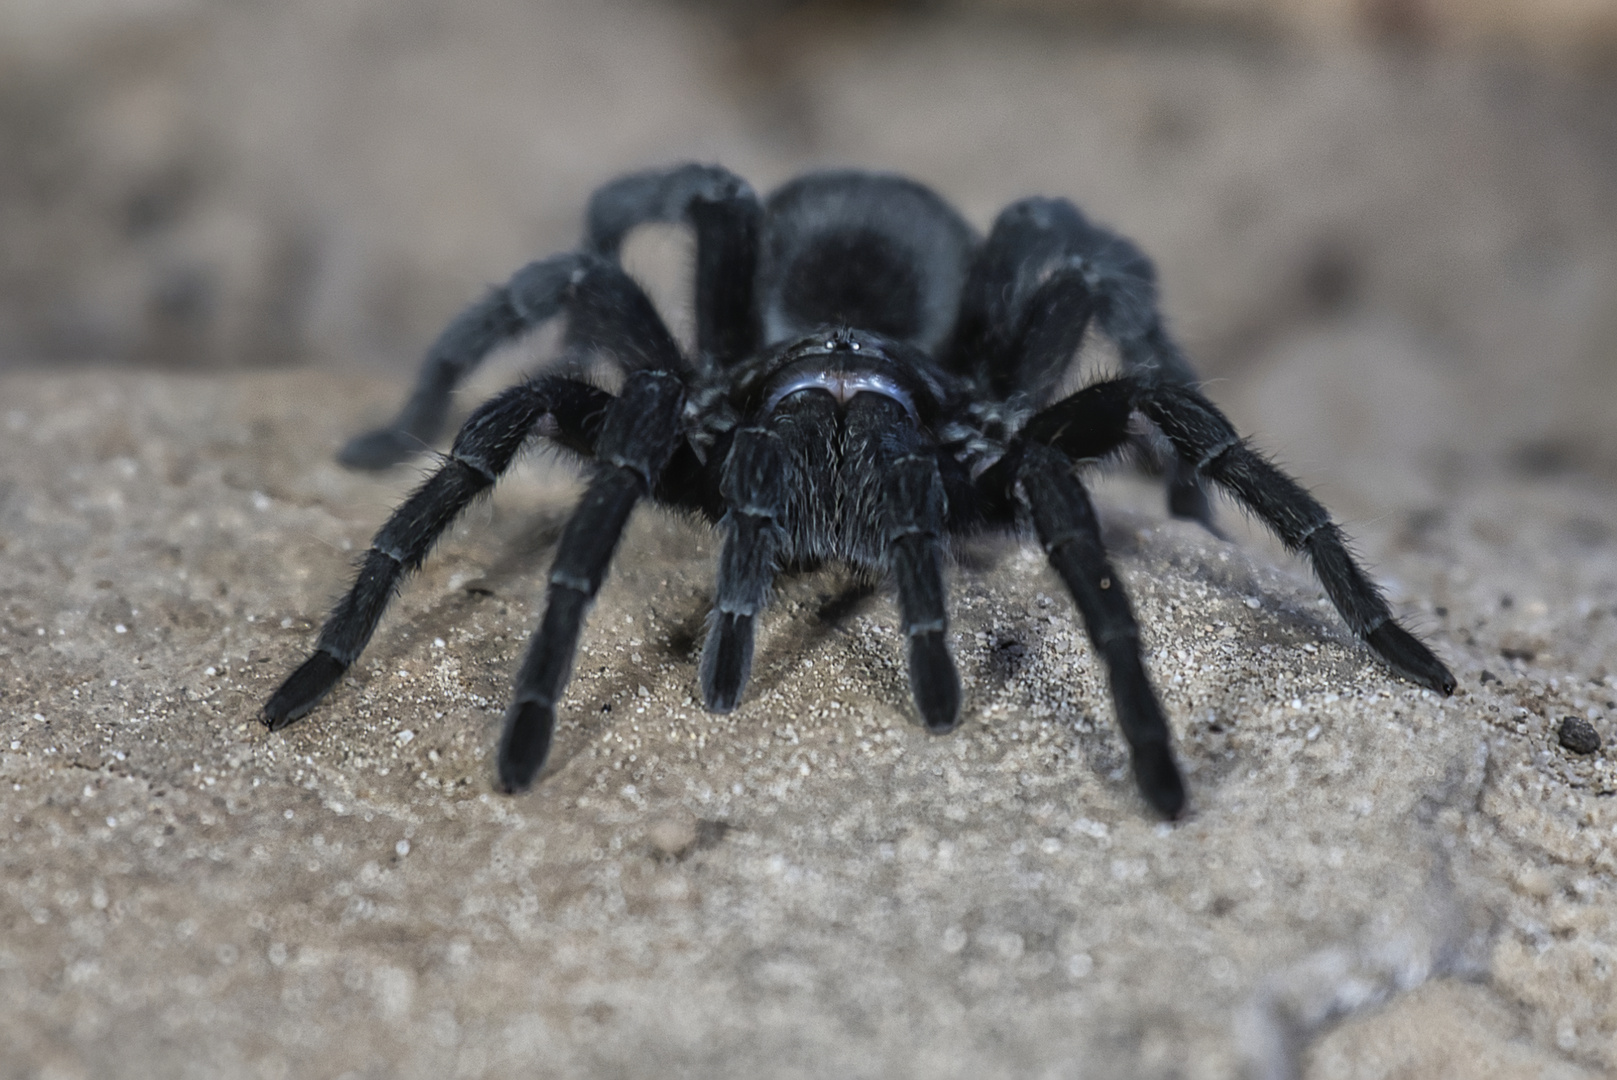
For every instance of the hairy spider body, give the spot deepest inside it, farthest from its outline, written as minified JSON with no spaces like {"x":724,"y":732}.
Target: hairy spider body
{"x":870,"y":379}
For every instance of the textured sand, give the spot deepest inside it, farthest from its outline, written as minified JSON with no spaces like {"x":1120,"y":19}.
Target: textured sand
{"x":812,"y":885}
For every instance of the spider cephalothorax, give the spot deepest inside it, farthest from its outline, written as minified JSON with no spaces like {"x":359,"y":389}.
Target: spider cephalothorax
{"x":870,"y":378}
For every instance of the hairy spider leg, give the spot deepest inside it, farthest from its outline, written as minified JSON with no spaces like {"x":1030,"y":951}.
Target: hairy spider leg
{"x":638,"y":435}
{"x":1026,"y":250}
{"x":1070,"y":534}
{"x":1043,"y":273}
{"x":888,"y":459}
{"x":1054,"y":319}
{"x":1089,"y":424}
{"x":1125,"y":280}
{"x":581,"y":283}
{"x":483,"y":450}
{"x":913,"y":498}
{"x":725,"y":214}
{"x":757,"y":475}
{"x":789,"y":451}
{"x":1203,"y":435}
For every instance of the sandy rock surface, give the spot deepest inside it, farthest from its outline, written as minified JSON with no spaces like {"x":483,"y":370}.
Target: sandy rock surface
{"x":1374,"y":881}
{"x":1399,"y":269}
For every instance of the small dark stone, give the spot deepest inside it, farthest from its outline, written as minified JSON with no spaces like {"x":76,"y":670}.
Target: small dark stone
{"x":1578,"y":735}
{"x":1488,"y":677}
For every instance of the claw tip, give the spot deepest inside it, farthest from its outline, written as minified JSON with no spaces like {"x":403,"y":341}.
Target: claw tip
{"x":525,"y":745}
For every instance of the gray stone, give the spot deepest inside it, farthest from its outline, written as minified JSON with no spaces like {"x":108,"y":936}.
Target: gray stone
{"x":1578,"y":735}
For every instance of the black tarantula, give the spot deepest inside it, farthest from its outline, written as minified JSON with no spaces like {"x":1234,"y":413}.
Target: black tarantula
{"x":870,"y":379}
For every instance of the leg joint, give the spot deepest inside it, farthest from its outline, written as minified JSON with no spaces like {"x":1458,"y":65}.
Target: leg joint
{"x":1308,"y":533}
{"x":475,"y":463}
{"x":1216,"y":451}
{"x":390,"y":552}
{"x":1130,"y":635}
{"x":578,"y":583}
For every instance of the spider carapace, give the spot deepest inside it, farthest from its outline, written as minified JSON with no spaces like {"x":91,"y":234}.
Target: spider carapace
{"x":870,"y":378}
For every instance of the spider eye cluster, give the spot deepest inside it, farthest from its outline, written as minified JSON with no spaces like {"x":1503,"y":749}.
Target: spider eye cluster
{"x":840,"y":340}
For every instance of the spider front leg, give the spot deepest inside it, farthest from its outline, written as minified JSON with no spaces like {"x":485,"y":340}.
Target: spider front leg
{"x":913,"y":515}
{"x":1203,"y":435}
{"x":483,"y":450}
{"x":638,"y":436}
{"x":913,"y":497}
{"x":1070,"y":534}
{"x":757,"y":476}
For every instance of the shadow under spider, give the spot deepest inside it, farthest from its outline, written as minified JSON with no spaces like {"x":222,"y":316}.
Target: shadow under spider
{"x":521,"y":554}
{"x":849,"y":594}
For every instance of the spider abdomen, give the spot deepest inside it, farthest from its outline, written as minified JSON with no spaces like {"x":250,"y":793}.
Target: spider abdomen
{"x":879,"y":252}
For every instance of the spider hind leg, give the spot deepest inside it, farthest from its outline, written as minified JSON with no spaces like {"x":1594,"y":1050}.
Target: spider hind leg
{"x":725,"y":214}
{"x":601,"y":298}
{"x":1043,"y":275}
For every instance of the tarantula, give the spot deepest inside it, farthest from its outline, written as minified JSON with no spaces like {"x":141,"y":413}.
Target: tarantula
{"x":870,"y":379}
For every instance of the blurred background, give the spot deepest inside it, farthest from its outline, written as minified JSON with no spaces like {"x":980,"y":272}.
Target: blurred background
{"x":1384,"y":227}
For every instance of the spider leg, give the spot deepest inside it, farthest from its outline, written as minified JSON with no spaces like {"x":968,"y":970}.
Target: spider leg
{"x":757,"y":476}
{"x":1043,"y":274}
{"x":609,"y":311}
{"x":482,"y":451}
{"x":1021,"y":318}
{"x":911,"y":507}
{"x":1091,"y":423}
{"x":638,"y":435}
{"x":912,"y":493}
{"x":1125,"y":281}
{"x":1203,"y":435}
{"x":725,"y":214}
{"x":1070,"y":534}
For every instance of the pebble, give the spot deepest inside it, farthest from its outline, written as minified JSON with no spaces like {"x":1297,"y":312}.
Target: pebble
{"x":673,"y":836}
{"x":1578,"y":735}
